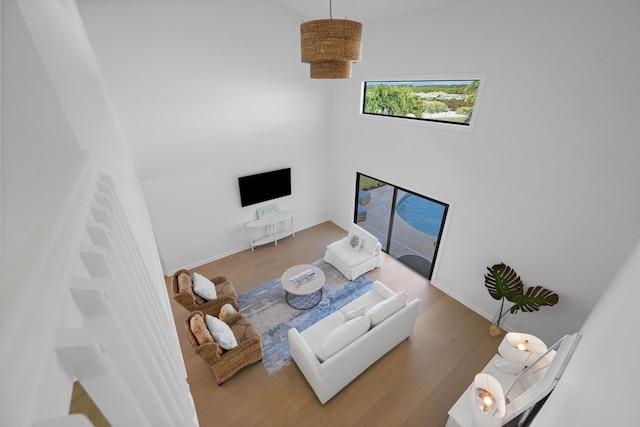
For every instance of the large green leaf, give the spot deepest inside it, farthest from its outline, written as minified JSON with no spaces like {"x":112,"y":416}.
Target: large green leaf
{"x":503,"y":282}
{"x":533,"y":299}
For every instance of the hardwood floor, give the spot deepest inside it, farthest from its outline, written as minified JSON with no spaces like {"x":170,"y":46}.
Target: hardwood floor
{"x":414,"y":384}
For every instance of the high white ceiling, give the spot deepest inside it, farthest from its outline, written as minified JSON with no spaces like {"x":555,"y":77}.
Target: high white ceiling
{"x":358,"y":10}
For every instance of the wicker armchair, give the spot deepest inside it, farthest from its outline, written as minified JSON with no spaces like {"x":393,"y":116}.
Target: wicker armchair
{"x":182,"y":289}
{"x":225,"y":363}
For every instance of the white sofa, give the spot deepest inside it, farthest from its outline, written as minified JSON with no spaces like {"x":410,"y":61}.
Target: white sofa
{"x":335,"y":350}
{"x":353,"y":262}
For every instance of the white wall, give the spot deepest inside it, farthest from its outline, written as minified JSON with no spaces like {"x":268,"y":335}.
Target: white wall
{"x":547,"y":181}
{"x":599,"y":385}
{"x":78,"y":251}
{"x":207,"y":92}
{"x":25,"y":208}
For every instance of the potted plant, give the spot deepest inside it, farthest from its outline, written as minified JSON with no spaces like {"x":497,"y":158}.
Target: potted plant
{"x":504,"y":284}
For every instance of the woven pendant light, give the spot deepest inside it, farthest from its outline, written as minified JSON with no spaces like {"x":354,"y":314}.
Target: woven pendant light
{"x":330,"y":46}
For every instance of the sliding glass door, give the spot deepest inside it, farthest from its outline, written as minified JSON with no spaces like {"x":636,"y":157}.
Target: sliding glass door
{"x":408,"y":224}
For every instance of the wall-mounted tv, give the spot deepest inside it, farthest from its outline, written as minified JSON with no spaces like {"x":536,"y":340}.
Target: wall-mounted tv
{"x":264,"y":186}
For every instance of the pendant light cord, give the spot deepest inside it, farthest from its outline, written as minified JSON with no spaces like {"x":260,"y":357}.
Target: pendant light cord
{"x":330,"y":10}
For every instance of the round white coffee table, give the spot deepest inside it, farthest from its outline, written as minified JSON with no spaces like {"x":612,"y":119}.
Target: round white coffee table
{"x":303,"y":286}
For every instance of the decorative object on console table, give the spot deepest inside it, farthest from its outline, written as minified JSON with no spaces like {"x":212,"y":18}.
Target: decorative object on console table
{"x":518,"y":351}
{"x":268,"y":218}
{"x":488,"y":405}
{"x":503,"y":283}
{"x":267,"y":210}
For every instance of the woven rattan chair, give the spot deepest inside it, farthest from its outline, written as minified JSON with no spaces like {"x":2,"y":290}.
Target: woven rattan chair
{"x":225,"y":363}
{"x":182,"y":288}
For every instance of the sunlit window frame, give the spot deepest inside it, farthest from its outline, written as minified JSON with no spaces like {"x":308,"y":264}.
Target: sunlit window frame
{"x":426,"y":123}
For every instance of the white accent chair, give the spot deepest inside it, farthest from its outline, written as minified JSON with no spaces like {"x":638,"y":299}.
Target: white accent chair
{"x":353,"y":261}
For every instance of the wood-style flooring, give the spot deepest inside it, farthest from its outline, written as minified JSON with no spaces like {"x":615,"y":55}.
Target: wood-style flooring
{"x":414,"y":384}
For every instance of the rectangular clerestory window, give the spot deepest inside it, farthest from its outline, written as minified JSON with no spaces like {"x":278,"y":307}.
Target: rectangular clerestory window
{"x":443,"y":101}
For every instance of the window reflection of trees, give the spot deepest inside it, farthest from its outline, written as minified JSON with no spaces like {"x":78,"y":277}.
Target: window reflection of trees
{"x":449,"y":101}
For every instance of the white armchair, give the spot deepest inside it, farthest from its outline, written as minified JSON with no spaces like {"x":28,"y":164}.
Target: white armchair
{"x":355,"y":254}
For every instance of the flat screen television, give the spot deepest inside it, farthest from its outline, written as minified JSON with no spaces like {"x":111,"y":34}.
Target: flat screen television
{"x":264,"y":186}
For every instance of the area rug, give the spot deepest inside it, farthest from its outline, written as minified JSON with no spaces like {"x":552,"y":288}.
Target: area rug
{"x":269,"y":312}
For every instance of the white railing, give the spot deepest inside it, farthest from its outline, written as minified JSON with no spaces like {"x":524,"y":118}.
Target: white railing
{"x":89,"y":310}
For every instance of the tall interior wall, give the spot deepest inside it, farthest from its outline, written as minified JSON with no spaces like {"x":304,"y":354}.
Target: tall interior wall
{"x":83,"y":295}
{"x":546,"y":181}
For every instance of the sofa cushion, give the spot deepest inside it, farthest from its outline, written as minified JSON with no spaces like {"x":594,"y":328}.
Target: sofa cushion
{"x":314,"y":334}
{"x":184,"y":282}
{"x":342,"y":336}
{"x":356,"y":242}
{"x":369,"y":241}
{"x":204,"y":287}
{"x":369,"y":299}
{"x":352,"y":314}
{"x":379,"y":312}
{"x":226,"y":311}
{"x":199,"y":329}
{"x":221,"y":332}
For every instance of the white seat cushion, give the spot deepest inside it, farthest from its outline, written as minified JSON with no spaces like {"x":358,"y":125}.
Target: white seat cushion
{"x":344,"y":252}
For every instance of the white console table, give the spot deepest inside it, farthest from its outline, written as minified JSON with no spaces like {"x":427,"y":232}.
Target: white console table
{"x":270,"y":223}
{"x":547,"y":370}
